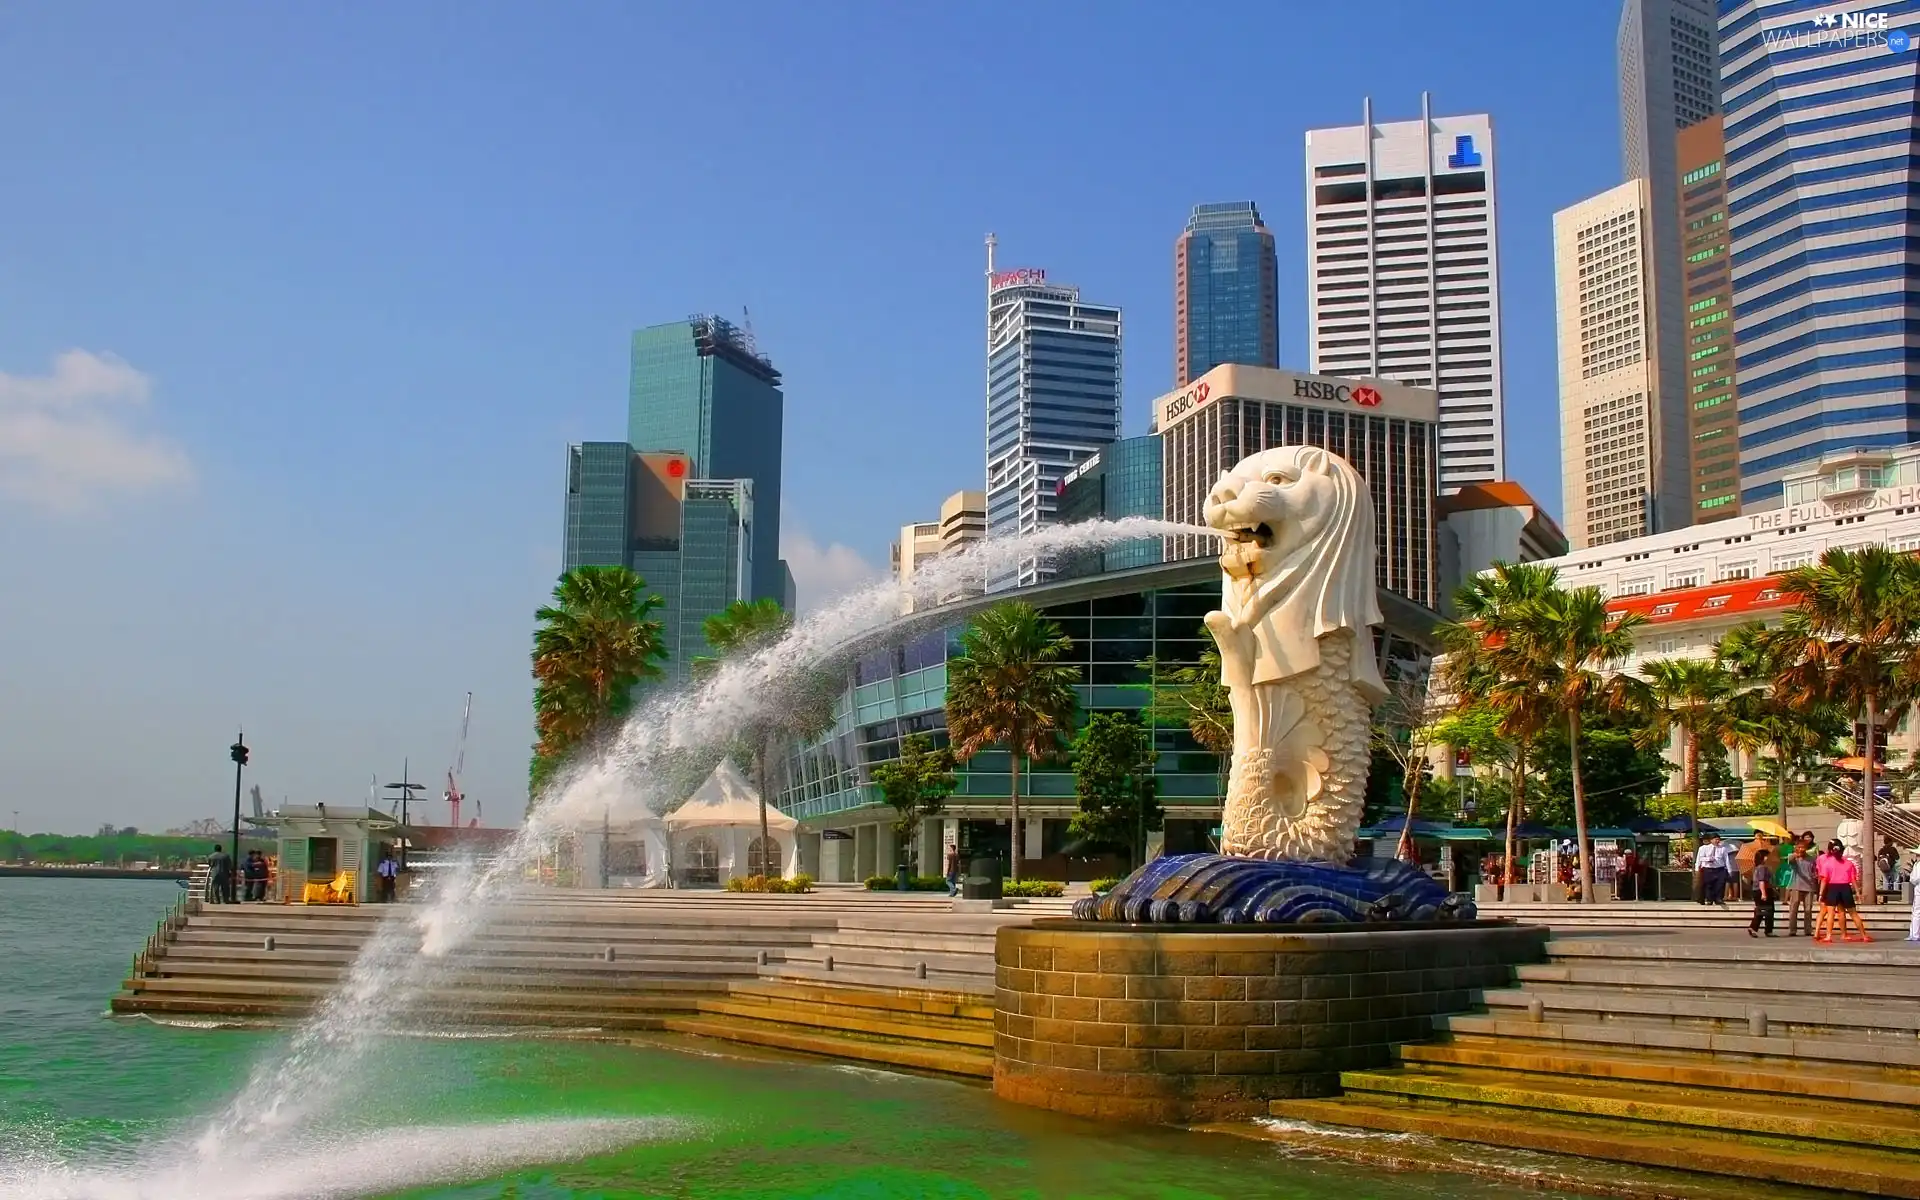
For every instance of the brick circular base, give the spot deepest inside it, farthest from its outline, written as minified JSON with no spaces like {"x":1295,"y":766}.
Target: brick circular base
{"x":1144,"y":1024}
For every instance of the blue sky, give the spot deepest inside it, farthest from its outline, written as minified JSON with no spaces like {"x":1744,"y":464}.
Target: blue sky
{"x":300,"y":305}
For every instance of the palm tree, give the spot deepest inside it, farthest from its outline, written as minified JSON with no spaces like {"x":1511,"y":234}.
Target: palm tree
{"x":1486,"y":659}
{"x":1009,"y":685}
{"x":1571,"y":638}
{"x":1699,"y":697}
{"x":744,"y":628}
{"x":1756,"y":657}
{"x":1851,"y":640}
{"x":591,"y":646}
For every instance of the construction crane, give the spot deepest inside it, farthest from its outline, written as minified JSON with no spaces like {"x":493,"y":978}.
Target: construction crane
{"x":459,"y":764}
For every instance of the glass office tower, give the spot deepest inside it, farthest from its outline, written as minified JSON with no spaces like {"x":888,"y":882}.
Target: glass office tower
{"x":700,"y":387}
{"x":1226,"y":292}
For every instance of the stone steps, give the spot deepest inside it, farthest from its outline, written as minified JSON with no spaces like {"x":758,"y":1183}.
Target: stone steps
{"x":1781,"y":1062}
{"x":1870,"y":1084}
{"x":1857,"y":1169}
{"x":1833,"y":1120}
{"x":1637,"y":915}
{"x":946,"y":1060}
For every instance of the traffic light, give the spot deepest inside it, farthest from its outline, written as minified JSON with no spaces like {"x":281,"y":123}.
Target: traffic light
{"x":238,"y":753}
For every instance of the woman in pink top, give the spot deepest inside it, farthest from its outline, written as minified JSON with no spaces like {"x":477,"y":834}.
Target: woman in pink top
{"x":1838,"y":876}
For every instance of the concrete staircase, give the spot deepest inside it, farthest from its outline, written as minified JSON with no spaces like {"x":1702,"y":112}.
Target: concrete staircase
{"x":1884,"y":921}
{"x":887,"y":979}
{"x":1782,"y":1062}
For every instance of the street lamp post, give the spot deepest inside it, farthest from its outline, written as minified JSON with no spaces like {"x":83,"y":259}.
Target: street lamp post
{"x":238,"y":752}
{"x":406,"y":787}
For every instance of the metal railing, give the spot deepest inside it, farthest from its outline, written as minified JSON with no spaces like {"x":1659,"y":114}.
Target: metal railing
{"x":1888,"y":820}
{"x":177,"y":915}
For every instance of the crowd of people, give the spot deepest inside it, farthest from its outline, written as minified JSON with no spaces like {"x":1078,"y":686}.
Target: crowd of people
{"x":231,"y":883}
{"x":1820,"y":886}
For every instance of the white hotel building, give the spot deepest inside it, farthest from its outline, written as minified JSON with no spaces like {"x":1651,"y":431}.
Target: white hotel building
{"x":1403,"y":266}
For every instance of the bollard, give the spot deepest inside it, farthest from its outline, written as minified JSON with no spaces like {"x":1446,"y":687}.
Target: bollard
{"x":829,"y":962}
{"x":761,"y":958}
{"x":920,"y":972}
{"x":1536,"y":1010}
{"x":267,"y":942}
{"x":1757,"y":1022}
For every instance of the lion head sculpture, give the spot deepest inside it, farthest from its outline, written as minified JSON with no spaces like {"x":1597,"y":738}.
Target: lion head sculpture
{"x":1298,"y":561}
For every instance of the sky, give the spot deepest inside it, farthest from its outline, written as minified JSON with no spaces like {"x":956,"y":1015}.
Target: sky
{"x":300,"y":306}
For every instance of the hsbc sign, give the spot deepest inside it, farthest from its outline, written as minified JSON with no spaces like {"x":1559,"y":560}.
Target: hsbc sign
{"x":1186,"y":402}
{"x":1339,"y":393}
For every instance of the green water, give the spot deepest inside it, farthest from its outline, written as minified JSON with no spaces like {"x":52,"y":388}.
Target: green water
{"x":107,"y":1108}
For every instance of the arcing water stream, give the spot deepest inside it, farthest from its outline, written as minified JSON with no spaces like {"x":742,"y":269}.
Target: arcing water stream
{"x":292,"y":1095}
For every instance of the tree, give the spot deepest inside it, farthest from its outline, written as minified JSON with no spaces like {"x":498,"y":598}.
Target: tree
{"x":1571,"y":639}
{"x":1010,"y":685}
{"x":1697,"y":696}
{"x":740,"y":630}
{"x":1487,"y":659}
{"x":1193,"y":697}
{"x":1476,"y":729}
{"x":1113,"y":775}
{"x":591,"y":646}
{"x":1801,"y":736}
{"x":1619,"y":774}
{"x":1402,"y":731}
{"x":1851,"y":640}
{"x":917,"y":784}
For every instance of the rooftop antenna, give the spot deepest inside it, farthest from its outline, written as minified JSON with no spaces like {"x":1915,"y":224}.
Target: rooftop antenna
{"x":992,"y":242}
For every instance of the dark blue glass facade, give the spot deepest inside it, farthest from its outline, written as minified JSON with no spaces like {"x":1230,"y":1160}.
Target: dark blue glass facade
{"x":1226,"y":292}
{"x":1123,"y":481}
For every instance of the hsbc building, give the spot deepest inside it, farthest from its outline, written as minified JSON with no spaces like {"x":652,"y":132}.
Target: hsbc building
{"x":1387,"y":430}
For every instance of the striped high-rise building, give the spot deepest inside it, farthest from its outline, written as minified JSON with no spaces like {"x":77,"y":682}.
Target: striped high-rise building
{"x":1713,"y":420}
{"x":1404,"y":272}
{"x":1669,"y":80}
{"x":1822,"y":174}
{"x":1053,"y":397}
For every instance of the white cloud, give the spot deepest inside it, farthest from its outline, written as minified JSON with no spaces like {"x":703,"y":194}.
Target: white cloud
{"x":822,"y":572}
{"x":66,"y":440}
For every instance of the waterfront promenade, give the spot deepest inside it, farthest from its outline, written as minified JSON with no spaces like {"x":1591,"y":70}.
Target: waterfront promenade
{"x":1656,"y":1035}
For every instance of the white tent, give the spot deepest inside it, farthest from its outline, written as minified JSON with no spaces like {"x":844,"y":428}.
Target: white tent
{"x":628,"y":852}
{"x":714,"y":831}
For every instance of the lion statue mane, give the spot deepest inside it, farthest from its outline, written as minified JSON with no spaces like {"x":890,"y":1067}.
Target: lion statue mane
{"x":1296,"y":651}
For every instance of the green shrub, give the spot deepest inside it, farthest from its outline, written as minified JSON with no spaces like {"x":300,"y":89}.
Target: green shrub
{"x":882,"y":883}
{"x":915,"y":883}
{"x":929,"y":883}
{"x":778,"y":887}
{"x":1033,"y":887}
{"x":1104,"y":885}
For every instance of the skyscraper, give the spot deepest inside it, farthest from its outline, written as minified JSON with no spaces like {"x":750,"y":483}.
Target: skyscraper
{"x":1403,"y":266}
{"x":1713,"y":418}
{"x":700,"y":387}
{"x":1821,"y":176}
{"x":1669,"y":79}
{"x":1226,"y":292}
{"x":690,"y":539}
{"x":1053,"y":397}
{"x":1611,"y":450}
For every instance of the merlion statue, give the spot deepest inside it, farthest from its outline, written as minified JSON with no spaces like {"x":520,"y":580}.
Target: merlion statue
{"x":1296,"y":653}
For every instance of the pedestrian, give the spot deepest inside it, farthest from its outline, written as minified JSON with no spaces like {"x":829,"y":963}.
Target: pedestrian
{"x":1628,"y":886}
{"x":1889,"y":860}
{"x":219,"y":876}
{"x":388,"y":870}
{"x":1763,"y":895}
{"x":1713,"y":861}
{"x":953,"y":869}
{"x":1802,"y":886}
{"x":1840,"y":877}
